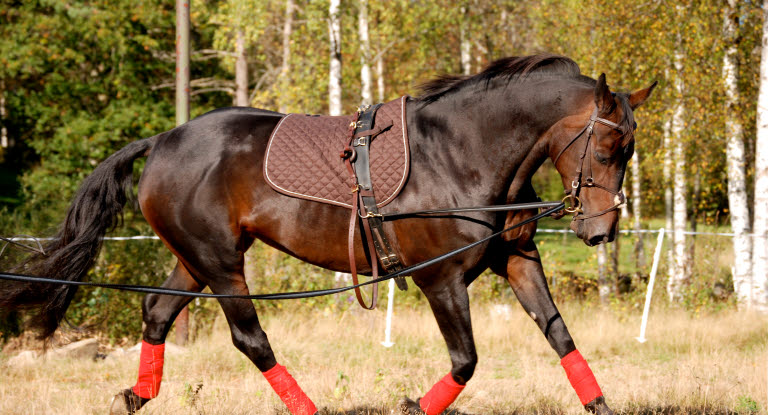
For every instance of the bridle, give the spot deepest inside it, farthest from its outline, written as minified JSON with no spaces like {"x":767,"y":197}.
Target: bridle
{"x":576,"y":184}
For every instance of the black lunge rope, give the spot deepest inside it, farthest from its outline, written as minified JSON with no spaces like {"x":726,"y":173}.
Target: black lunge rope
{"x":300,"y":294}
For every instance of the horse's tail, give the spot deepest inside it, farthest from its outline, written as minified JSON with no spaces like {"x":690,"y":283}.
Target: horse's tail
{"x":96,"y":208}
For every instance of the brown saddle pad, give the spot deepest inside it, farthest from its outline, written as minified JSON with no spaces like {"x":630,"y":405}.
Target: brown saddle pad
{"x":303,"y":161}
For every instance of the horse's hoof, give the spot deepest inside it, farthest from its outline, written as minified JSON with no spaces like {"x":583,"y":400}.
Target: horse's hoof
{"x":126,"y":403}
{"x":409,"y":407}
{"x":598,"y":407}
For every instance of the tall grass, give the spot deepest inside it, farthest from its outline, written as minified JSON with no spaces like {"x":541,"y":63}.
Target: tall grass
{"x":691,"y":364}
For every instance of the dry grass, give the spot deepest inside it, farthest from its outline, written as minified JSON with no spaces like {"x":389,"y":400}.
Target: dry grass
{"x":710,"y":364}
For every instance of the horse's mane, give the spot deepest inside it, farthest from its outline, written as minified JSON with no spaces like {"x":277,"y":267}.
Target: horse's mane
{"x":511,"y":68}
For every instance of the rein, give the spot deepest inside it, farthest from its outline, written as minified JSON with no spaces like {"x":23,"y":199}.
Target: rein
{"x":553,"y":207}
{"x":619,"y":198}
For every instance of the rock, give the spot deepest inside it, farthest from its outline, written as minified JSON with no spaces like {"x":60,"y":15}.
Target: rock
{"x":24,"y":358}
{"x":84,"y":349}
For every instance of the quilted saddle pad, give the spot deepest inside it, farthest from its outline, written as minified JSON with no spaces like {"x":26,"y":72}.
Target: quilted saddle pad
{"x":303,"y":161}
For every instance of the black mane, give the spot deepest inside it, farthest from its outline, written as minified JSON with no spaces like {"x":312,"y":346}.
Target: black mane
{"x":514,"y":67}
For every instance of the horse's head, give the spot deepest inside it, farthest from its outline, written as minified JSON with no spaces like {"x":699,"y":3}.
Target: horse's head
{"x":590,"y":150}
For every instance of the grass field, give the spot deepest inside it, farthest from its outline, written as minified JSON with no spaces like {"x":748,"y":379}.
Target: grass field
{"x":709,"y":364}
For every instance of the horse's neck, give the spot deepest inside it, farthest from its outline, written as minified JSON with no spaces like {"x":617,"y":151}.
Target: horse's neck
{"x":493,"y":135}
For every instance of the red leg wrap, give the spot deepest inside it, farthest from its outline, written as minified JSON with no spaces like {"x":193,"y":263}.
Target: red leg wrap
{"x":150,"y":370}
{"x":289,"y":391}
{"x":581,"y":377}
{"x":441,"y":395}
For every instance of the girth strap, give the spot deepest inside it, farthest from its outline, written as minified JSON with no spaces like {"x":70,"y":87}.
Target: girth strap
{"x":357,"y":158}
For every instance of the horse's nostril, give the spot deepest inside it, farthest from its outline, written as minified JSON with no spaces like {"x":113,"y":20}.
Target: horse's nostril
{"x":598,"y":239}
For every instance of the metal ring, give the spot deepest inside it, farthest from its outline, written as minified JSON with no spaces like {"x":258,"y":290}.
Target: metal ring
{"x":575,"y":204}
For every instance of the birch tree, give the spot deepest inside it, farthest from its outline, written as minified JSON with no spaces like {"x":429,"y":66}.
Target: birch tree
{"x":241,"y":71}
{"x":285,"y":68}
{"x":334,"y":73}
{"x":680,"y":274}
{"x":737,"y":186}
{"x":637,"y":211}
{"x":464,"y":41}
{"x":366,"y":81}
{"x":760,"y":247}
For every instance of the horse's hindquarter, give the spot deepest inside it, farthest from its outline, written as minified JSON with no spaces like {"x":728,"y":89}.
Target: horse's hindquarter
{"x":205,"y":180}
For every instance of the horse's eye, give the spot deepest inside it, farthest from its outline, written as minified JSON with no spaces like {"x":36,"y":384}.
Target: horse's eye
{"x":601,"y":158}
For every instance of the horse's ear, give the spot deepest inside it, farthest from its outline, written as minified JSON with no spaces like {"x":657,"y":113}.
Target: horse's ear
{"x":603,"y":97}
{"x":638,"y":97}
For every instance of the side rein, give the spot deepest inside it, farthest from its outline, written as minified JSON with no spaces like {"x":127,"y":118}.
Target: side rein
{"x":576,"y":184}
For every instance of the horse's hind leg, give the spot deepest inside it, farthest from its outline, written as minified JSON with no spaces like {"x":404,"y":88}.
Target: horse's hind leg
{"x":159,"y":312}
{"x":526,"y":276}
{"x":450,"y":305}
{"x":250,"y":338}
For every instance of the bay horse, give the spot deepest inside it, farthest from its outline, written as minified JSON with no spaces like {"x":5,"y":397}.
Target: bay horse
{"x":474,"y":140}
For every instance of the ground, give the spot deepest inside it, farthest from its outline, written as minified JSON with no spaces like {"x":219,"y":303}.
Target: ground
{"x":714,"y":364}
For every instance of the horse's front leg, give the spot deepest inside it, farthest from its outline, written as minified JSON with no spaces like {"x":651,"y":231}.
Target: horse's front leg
{"x":450,"y":305}
{"x":526,"y":276}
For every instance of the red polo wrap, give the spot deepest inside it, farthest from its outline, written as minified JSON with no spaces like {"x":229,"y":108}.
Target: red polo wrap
{"x":581,"y":377}
{"x":150,"y":370}
{"x":289,"y":391}
{"x":441,"y":396}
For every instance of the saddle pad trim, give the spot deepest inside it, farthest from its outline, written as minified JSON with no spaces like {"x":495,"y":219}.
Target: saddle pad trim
{"x":334,"y":202}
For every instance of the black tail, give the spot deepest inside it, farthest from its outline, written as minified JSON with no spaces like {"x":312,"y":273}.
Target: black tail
{"x":96,"y":208}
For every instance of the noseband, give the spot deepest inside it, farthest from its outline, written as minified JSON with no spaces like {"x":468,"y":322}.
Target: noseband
{"x":576,"y":184}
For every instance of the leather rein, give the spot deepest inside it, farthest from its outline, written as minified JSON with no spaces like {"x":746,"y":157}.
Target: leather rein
{"x":619,"y":199}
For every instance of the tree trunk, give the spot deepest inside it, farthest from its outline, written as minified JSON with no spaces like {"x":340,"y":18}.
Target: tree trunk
{"x":380,"y":79}
{"x":334,"y":84}
{"x":637,"y":213}
{"x":668,"y":195}
{"x":241,"y":71}
{"x":3,"y":130}
{"x":680,"y":214}
{"x":366,"y":82}
{"x":182,"y":116}
{"x":760,"y":247}
{"x":603,"y":288}
{"x":285,"y":68}
{"x":464,"y":41}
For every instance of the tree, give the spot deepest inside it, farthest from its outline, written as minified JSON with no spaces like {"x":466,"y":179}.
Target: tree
{"x":366,"y":81}
{"x":737,"y":186}
{"x":760,"y":247}
{"x":334,"y":73}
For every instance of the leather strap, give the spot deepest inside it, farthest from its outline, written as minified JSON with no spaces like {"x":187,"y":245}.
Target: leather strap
{"x":361,"y":143}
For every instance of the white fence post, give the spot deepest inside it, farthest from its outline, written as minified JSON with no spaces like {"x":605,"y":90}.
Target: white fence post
{"x":651,"y":279}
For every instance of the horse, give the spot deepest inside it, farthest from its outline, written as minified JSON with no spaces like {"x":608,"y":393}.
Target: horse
{"x":474,"y":141}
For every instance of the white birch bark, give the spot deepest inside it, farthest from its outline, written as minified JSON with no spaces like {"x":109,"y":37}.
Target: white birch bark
{"x":366,"y":81}
{"x":760,"y":247}
{"x":380,"y":78}
{"x":680,"y":275}
{"x":637,"y":204}
{"x":736,"y":160}
{"x":668,"y":194}
{"x":334,"y":83}
{"x":602,"y":279}
{"x":241,"y":71}
{"x":285,"y":68}
{"x":465,"y":43}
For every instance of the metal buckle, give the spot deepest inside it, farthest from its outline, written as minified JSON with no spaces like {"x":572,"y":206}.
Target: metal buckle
{"x":356,"y":124}
{"x":360,"y":142}
{"x":355,"y":189}
{"x":369,"y":215}
{"x":388,"y":261}
{"x":574,"y":184}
